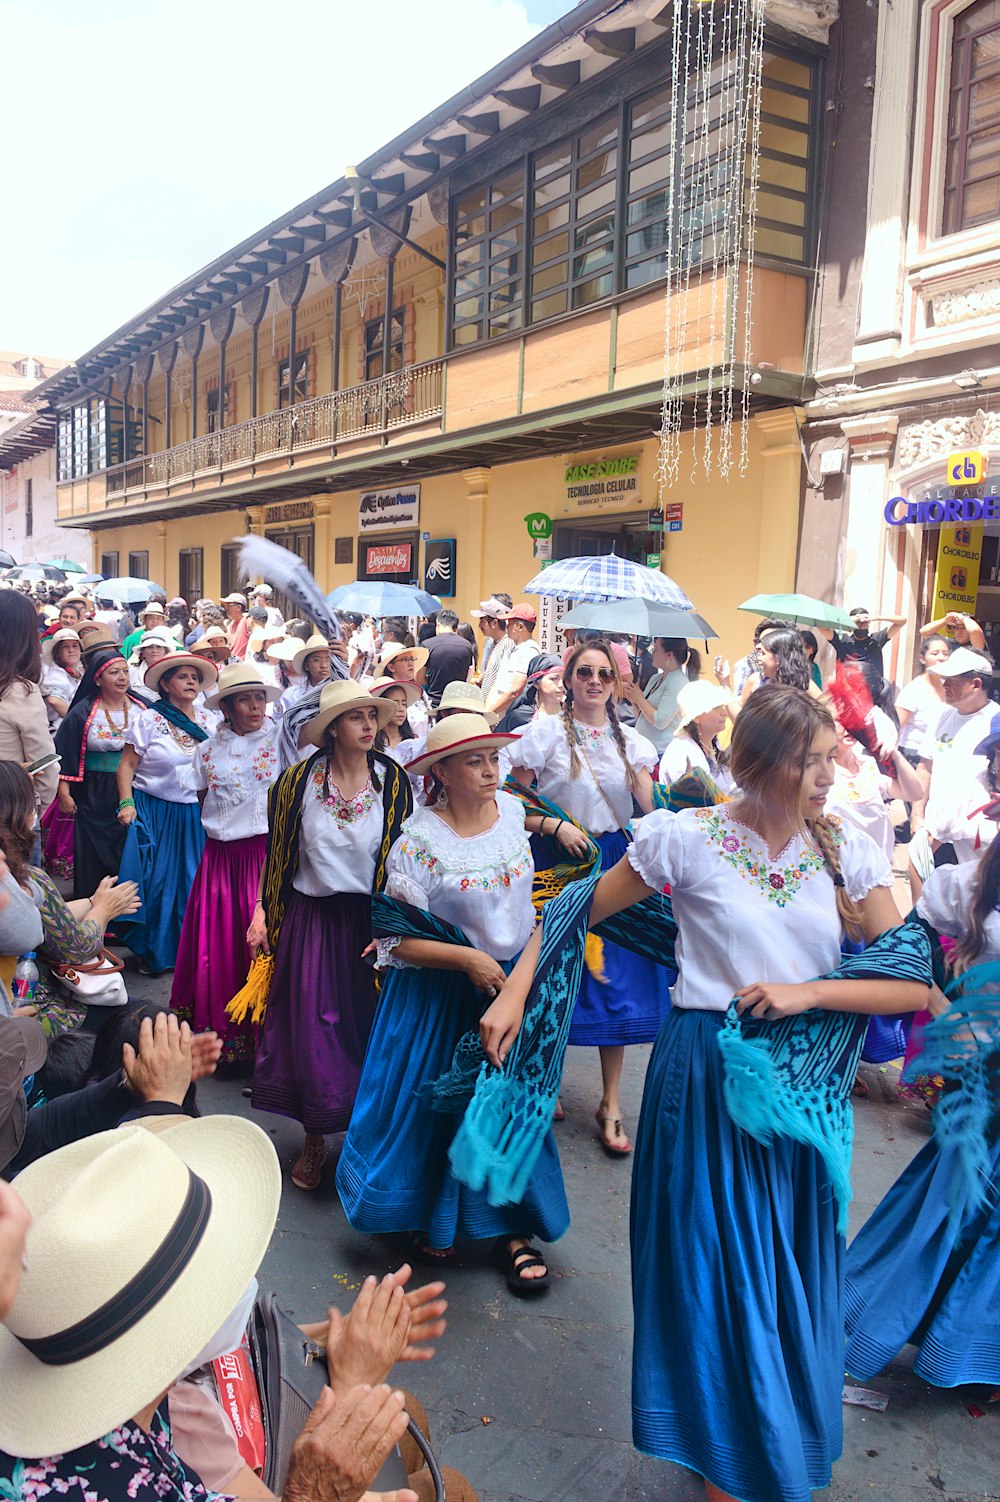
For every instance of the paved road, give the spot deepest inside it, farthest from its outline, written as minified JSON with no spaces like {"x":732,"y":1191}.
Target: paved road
{"x":531,"y":1400}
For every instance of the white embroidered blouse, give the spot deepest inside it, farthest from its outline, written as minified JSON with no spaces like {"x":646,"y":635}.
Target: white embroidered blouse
{"x":339,"y":837}
{"x":544,"y":750}
{"x":235,"y":772}
{"x":481,"y":882}
{"x":741,"y":916}
{"x":164,"y":753}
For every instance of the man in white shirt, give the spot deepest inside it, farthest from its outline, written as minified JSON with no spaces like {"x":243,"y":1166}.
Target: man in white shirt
{"x":513,"y":674}
{"x":958,"y":776}
{"x":263,"y":595}
{"x":492,"y":618}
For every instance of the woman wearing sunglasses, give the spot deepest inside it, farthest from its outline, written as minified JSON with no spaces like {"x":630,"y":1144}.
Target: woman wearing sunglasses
{"x":596,"y":769}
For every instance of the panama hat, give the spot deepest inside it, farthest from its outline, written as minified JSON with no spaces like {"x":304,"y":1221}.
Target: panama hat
{"x":336,"y":699}
{"x":158,"y":637}
{"x":211,"y":637}
{"x":207,"y":671}
{"x":316,"y":643}
{"x":49,"y":646}
{"x":394,"y":649}
{"x":152,"y":608}
{"x":262,"y":634}
{"x":465,"y":698}
{"x":413,"y":690}
{"x":94,"y":635}
{"x":700,"y":698}
{"x":141,"y":1243}
{"x":459,"y":732}
{"x":285,"y":649}
{"x":240,"y":678}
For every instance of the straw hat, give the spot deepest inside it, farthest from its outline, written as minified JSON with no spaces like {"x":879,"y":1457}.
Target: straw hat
{"x":316,"y":643}
{"x":153,"y":607}
{"x":336,"y":699}
{"x":49,"y":646}
{"x":459,"y":732}
{"x":211,"y":637}
{"x":240,"y":678}
{"x":264,"y":633}
{"x":141,"y":1244}
{"x":207,"y":671}
{"x":158,"y":637}
{"x":394,"y":649}
{"x":467,"y":698}
{"x":285,"y":649}
{"x":379,"y":686}
{"x":700,"y":698}
{"x":95,"y":637}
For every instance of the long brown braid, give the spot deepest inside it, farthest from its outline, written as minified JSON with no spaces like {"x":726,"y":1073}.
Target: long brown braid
{"x":825,"y":836}
{"x":569,"y":719}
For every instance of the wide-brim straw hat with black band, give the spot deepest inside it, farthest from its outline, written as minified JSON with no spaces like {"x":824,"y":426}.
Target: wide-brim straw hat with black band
{"x":141,"y":1245}
{"x":464,"y":698}
{"x":336,"y":699}
{"x":305,"y":649}
{"x":207,"y":671}
{"x":459,"y":732}
{"x":213,"y":639}
{"x":413,"y":691}
{"x":395,"y":649}
{"x":240,"y":678}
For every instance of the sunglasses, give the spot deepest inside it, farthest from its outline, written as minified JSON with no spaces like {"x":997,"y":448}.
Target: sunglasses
{"x":606,"y":675}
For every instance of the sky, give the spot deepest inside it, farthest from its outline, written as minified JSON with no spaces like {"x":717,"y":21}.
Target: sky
{"x":145,"y":137}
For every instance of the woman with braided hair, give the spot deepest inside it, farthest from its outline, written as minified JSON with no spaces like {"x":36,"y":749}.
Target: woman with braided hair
{"x":737,"y":1255}
{"x":597,"y":770}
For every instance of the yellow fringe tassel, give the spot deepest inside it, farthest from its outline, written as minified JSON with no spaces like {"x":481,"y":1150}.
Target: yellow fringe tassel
{"x":250,"y":1004}
{"x":593,"y":956}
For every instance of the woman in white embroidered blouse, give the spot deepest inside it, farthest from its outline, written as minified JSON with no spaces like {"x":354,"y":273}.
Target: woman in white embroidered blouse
{"x":164,"y":837}
{"x":466,"y":859}
{"x":737,"y":1264}
{"x":595,"y":769}
{"x":231,"y":774}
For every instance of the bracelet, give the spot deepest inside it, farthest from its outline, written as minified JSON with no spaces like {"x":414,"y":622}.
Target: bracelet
{"x":558,"y":827}
{"x":125,"y":803}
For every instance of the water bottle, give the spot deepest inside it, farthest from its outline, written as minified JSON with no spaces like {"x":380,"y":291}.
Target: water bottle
{"x":25,"y":980}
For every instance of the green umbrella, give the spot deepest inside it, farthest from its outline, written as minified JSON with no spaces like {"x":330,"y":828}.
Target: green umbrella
{"x":802,"y":609}
{"x":67,"y":565}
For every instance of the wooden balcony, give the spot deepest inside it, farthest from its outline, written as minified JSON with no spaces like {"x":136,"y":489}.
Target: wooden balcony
{"x":360,"y":416}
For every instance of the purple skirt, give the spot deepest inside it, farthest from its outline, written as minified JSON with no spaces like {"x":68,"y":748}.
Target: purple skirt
{"x":319,"y":1013}
{"x":57,"y":841}
{"x":212,"y":957}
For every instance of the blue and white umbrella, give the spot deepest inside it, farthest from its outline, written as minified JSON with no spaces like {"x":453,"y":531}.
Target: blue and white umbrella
{"x":127,"y":591}
{"x":381,"y":597}
{"x":607,"y":578}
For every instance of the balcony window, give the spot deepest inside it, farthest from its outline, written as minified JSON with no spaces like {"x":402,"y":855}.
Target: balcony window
{"x":374,"y":337}
{"x":228,"y":407}
{"x":595,"y":219}
{"x":972,"y":169}
{"x":300,"y":390}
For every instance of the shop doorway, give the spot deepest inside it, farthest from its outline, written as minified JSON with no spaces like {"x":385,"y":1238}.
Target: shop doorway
{"x":298,"y":540}
{"x":629,"y":535}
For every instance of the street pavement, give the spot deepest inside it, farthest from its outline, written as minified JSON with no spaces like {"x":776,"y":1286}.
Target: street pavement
{"x":531,"y":1399}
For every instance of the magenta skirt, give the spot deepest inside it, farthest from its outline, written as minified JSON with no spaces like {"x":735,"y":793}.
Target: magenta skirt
{"x":57,"y":842}
{"x":212,"y":957}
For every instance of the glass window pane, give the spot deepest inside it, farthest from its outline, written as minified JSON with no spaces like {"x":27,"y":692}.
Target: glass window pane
{"x":506,"y":244}
{"x":976,"y":17}
{"x":986,"y":51}
{"x":552,"y":276}
{"x":982,"y":201}
{"x":657,"y":139}
{"x":589,"y":172}
{"x":465,"y":285}
{"x":650,"y":205}
{"x":653,"y":107}
{"x":505,"y":296}
{"x":471,"y":202}
{"x":983,"y":155}
{"x":548,"y":307}
{"x":502,"y":270}
{"x":984,"y":103}
{"x":604,"y":133}
{"x":784,"y":174}
{"x":647,"y":241}
{"x":503,"y":187}
{"x":551,"y":219}
{"x":586,"y":234}
{"x":469,"y":333}
{"x":642,"y":272}
{"x":786,"y":106}
{"x":597,"y":198}
{"x":468,"y":257}
{"x":553,"y":159}
{"x":469,"y":230}
{"x":779,"y":138}
{"x":784,"y":210}
{"x":786,"y":245}
{"x":589,"y":292}
{"x":504,"y":323}
{"x":593,"y":260}
{"x":556,"y":187}
{"x":468,"y":308}
{"x":546,"y":250}
{"x":510,"y":213}
{"x":645,"y":177}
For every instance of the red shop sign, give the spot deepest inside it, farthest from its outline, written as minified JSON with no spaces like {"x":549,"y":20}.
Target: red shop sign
{"x":388,"y":558}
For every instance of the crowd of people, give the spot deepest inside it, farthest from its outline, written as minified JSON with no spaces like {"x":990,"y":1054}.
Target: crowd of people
{"x":395,"y":868}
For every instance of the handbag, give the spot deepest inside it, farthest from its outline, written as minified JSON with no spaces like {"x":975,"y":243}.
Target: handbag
{"x":291,"y":1373}
{"x":94,"y":983}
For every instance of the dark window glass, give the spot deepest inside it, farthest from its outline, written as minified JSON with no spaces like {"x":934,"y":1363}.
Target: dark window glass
{"x":212,"y":407}
{"x":191,"y":564}
{"x":138,"y":565}
{"x":972,"y":164}
{"x":109,"y":565}
{"x":300,"y":389}
{"x":374,"y":335}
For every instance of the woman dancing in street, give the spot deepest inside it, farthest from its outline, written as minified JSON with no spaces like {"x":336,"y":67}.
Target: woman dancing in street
{"x":332,"y":819}
{"x":232,"y":773}
{"x":736,"y":1254}
{"x":464,"y":862}
{"x":591,"y":766}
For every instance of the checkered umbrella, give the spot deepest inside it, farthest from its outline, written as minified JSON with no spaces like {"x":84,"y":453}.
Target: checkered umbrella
{"x":607,"y":578}
{"x":127,"y":590}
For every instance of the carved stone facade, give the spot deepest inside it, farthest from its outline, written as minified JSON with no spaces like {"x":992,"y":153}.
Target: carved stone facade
{"x":926,"y":442}
{"x":808,"y":18}
{"x":960,"y":305}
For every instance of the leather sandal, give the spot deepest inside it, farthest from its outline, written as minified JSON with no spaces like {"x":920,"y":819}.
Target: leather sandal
{"x":512,"y":1264}
{"x":613,"y":1149}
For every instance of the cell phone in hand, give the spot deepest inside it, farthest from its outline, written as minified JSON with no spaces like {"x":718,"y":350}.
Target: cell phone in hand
{"x":34,"y":767}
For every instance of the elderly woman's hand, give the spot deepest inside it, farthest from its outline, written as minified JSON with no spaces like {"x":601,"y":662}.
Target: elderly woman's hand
{"x":112,"y":899}
{"x":161,"y":1067}
{"x":344,"y":1442}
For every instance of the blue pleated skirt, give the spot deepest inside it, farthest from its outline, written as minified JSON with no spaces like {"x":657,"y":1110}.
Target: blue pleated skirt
{"x":737,"y":1286}
{"x":630,"y":1001}
{"x":163,"y":846}
{"x":911,"y":1277}
{"x":393,"y":1173}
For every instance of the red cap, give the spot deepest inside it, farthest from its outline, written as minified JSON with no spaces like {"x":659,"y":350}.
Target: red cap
{"x":522,"y":613}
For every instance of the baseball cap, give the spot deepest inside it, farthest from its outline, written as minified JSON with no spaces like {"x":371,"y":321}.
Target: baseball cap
{"x":522,"y":613}
{"x":963,"y":660}
{"x":989,"y":743}
{"x":491,"y":607}
{"x":234,"y":599}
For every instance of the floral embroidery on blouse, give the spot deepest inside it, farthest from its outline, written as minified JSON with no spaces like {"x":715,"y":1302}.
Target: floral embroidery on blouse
{"x":265,"y":763}
{"x":108,"y":731}
{"x":419,"y":853}
{"x":595,"y":734}
{"x":484,"y":881}
{"x":344,"y":810}
{"x":779,"y":883}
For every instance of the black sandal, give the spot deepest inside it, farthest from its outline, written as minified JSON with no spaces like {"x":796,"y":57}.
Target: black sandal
{"x":514,"y":1263}
{"x":430,"y":1256}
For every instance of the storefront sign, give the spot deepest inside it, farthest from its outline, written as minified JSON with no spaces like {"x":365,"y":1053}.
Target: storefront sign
{"x":967,"y":468}
{"x":674,"y":514}
{"x":550,"y":613}
{"x":289,"y":511}
{"x":603,"y":481}
{"x":653,"y":560}
{"x":388,"y":558}
{"x":539,"y":525}
{"x":542,"y":548}
{"x":439,"y":566}
{"x":381,"y":510}
{"x":956,"y":579}
{"x":946,"y":508}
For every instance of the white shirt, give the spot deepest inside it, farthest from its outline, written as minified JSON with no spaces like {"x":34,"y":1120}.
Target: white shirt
{"x":56,"y":680}
{"x":742,"y":917}
{"x":499,"y":655}
{"x":925,"y":708}
{"x":946,"y":902}
{"x":860,"y":798}
{"x":339,"y":840}
{"x":481,"y":882}
{"x":235,"y":772}
{"x":958,"y":780}
{"x":164,"y":753}
{"x":544,"y":750}
{"x":516,"y":664}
